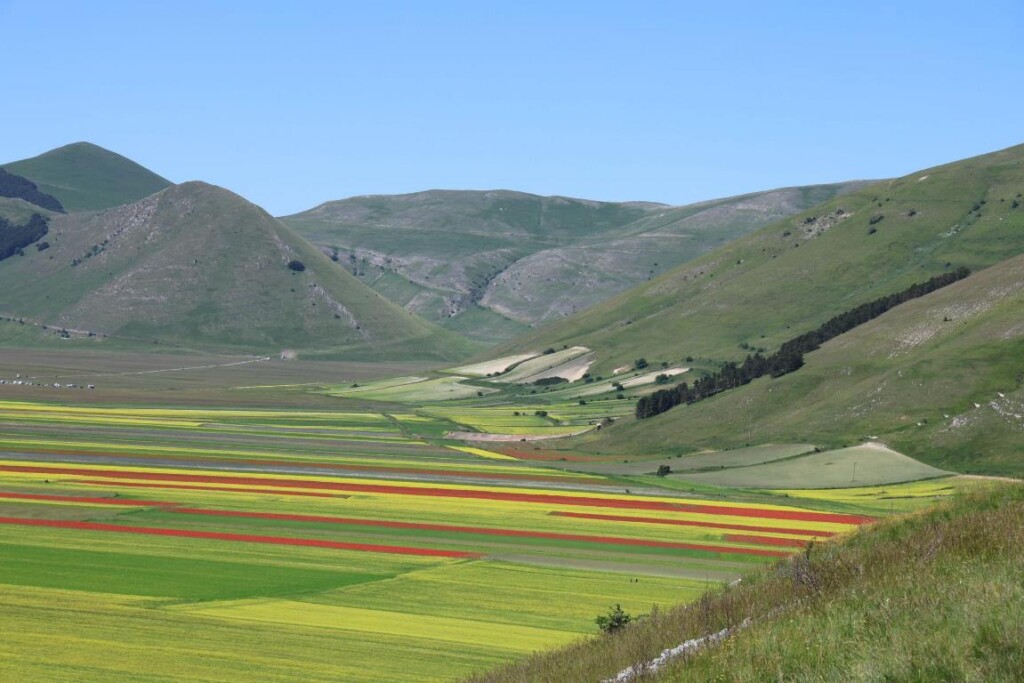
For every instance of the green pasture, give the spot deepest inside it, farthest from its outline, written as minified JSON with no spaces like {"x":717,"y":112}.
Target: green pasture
{"x":843,"y":468}
{"x":184,"y":578}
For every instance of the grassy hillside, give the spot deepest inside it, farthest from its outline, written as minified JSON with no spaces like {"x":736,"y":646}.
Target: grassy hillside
{"x":491,"y":264}
{"x":940,"y":378}
{"x":18,"y":210}
{"x":789,"y":277}
{"x":85,"y":177}
{"x":860,"y":609}
{"x":198,"y":266}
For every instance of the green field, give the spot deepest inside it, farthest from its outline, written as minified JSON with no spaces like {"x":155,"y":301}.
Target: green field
{"x":844,"y":468}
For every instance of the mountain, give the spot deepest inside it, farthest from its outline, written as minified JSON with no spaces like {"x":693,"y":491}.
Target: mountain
{"x":197,"y":266}
{"x":85,"y":177}
{"x":794,"y":274}
{"x":491,"y":264}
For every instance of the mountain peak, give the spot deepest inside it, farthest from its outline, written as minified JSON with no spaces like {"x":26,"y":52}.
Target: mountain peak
{"x":84,"y":176}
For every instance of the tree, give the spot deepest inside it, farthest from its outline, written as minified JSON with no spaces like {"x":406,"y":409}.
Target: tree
{"x":614,"y":620}
{"x":297,"y":266}
{"x":640,"y":363}
{"x":664,"y":470}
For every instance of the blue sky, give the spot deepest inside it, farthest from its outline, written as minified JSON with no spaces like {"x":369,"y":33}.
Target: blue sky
{"x":292,"y":104}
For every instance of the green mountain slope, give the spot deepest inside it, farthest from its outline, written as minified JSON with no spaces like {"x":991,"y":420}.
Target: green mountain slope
{"x":86,"y":177}
{"x":492,"y":264}
{"x":195,"y":265}
{"x":940,"y":378}
{"x":793,"y":275}
{"x":18,"y":210}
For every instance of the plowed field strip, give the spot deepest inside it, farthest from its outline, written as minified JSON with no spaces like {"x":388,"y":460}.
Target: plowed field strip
{"x":245,"y":538}
{"x":692,"y":522}
{"x":489,"y":531}
{"x":512,"y":496}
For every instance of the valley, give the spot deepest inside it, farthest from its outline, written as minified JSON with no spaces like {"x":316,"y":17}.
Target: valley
{"x":376,"y":441}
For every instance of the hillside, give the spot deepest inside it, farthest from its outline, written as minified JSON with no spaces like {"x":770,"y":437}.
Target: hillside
{"x":789,"y":277}
{"x":85,"y":177}
{"x":491,"y":264}
{"x":18,"y":210}
{"x":197,"y":266}
{"x":940,"y":378}
{"x":864,"y":608}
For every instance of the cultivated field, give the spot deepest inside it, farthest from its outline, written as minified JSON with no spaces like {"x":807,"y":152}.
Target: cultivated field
{"x":185,"y":528}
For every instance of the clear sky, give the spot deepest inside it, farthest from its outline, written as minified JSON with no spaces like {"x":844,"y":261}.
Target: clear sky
{"x":295,"y":103}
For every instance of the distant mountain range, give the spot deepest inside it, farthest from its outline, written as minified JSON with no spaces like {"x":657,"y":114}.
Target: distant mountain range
{"x":491,"y":264}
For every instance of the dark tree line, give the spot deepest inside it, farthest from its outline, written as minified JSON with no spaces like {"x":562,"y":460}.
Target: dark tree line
{"x":22,"y":188}
{"x":14,"y":238}
{"x":790,"y":355}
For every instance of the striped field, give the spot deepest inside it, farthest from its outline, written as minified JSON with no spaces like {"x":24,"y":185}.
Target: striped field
{"x":222,"y":544}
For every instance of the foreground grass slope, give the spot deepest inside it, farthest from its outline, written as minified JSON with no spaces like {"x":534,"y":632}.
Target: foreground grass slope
{"x":198,"y":266}
{"x":936,"y":596}
{"x":788,"y":278}
{"x":86,"y":177}
{"x":492,"y":263}
{"x":940,"y":378}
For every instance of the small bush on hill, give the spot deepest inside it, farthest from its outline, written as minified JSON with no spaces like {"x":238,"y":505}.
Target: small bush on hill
{"x":297,"y":266}
{"x":614,"y":620}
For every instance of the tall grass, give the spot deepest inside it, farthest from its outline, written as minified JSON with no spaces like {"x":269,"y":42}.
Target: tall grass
{"x":934,"y":596}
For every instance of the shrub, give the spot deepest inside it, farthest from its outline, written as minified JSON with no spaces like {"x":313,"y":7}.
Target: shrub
{"x":540,"y":413}
{"x":297,"y":266}
{"x":664,"y":470}
{"x":614,"y":620}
